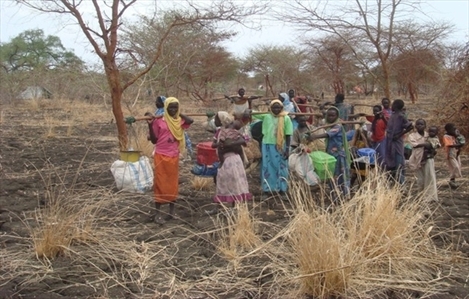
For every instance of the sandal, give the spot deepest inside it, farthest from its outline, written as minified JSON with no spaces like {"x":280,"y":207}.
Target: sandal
{"x":211,"y":212}
{"x":159,"y":220}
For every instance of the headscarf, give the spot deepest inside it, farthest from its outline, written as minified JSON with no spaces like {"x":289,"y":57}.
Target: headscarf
{"x":160,"y":111}
{"x":348,"y":157}
{"x":225,"y":118}
{"x":280,"y":126}
{"x":174,"y":123}
{"x":287,"y":104}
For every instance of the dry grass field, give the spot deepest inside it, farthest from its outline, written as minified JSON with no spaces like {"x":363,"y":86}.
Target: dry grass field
{"x":66,"y":232}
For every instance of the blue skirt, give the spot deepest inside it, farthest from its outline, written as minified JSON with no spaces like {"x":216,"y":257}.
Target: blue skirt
{"x":274,"y":171}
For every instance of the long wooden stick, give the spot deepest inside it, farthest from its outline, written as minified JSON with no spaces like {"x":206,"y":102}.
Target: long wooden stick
{"x":204,"y":114}
{"x":362,"y":105}
{"x":341,"y":122}
{"x":308,"y":105}
{"x":291,"y":113}
{"x":160,"y":116}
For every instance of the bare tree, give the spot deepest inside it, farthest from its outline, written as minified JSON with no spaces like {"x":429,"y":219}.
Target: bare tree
{"x":193,"y":60}
{"x":419,"y":55}
{"x":331,"y":57}
{"x":282,"y":67}
{"x":104,"y":36}
{"x":371,"y":23}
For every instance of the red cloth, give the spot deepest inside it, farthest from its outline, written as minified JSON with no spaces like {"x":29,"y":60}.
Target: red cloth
{"x":380,"y":131}
{"x":304,"y":109}
{"x":301,"y":100}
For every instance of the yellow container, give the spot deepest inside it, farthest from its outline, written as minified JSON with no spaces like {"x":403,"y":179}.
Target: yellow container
{"x":130,"y":156}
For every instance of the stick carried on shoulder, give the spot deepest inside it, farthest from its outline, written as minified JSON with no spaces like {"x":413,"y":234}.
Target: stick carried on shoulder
{"x":341,"y":122}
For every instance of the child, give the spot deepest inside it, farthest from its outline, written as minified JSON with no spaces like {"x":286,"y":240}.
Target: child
{"x":300,"y":131}
{"x":230,"y":137}
{"x":397,"y":127}
{"x":231,"y":181}
{"x":378,"y":133}
{"x":386,"y":108}
{"x":421,"y":160}
{"x":434,"y":141}
{"x":453,"y":141}
{"x":167,"y":133}
{"x":337,"y":146}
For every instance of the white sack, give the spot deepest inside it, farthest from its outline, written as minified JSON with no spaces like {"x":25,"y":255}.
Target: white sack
{"x":301,"y":164}
{"x":136,"y":177}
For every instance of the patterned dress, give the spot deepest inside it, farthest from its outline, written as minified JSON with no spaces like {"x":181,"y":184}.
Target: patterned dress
{"x":232,"y":183}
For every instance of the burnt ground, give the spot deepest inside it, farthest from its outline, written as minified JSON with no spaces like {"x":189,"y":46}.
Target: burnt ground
{"x":32,"y":164}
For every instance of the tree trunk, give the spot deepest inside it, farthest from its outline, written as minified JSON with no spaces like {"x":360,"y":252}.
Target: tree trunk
{"x":387,"y":89}
{"x":115,"y":86}
{"x":412,"y":93}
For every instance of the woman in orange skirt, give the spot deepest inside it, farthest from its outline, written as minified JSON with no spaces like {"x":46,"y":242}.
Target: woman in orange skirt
{"x":167,"y":133}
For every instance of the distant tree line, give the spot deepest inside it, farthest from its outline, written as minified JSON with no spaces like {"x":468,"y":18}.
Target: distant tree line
{"x":363,"y":48}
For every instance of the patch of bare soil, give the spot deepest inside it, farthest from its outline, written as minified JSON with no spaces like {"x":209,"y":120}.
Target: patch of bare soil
{"x":33,"y":165}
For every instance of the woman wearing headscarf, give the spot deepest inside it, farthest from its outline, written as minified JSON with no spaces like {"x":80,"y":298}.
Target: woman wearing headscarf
{"x":167,"y":133}
{"x":160,"y":112}
{"x":231,"y":181}
{"x":277,"y":129}
{"x":337,"y":146}
{"x":159,"y":103}
{"x":288,"y":107}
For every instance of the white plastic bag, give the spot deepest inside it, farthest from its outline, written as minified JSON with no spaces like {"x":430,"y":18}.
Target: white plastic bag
{"x":136,"y":177}
{"x":301,"y":164}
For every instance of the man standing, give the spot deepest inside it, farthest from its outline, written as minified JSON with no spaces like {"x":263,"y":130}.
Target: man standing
{"x":344,"y":109}
{"x":241,"y":102}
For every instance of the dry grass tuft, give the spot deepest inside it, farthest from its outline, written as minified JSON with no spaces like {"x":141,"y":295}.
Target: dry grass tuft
{"x":239,"y":235}
{"x":201,"y":184}
{"x":63,"y":221}
{"x":50,"y":124}
{"x":378,"y":241}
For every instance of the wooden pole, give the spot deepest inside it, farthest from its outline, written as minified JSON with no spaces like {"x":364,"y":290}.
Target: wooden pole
{"x":308,"y":105}
{"x":204,"y":114}
{"x":341,"y":122}
{"x":295,"y":113}
{"x":160,"y":116}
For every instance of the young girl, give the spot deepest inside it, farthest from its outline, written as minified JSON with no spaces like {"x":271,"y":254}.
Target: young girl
{"x":421,"y":160}
{"x":386,"y":108}
{"x":378,"y":133}
{"x":231,"y":180}
{"x":398,"y":125}
{"x":453,"y":141}
{"x":167,"y":133}
{"x":231,"y":138}
{"x":277,"y":129}
{"x":337,"y":146}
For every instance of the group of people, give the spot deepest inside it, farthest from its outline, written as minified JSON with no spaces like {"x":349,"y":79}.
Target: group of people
{"x":389,"y":125}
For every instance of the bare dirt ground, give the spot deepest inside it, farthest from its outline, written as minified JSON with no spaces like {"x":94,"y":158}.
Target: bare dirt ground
{"x":33,"y":164}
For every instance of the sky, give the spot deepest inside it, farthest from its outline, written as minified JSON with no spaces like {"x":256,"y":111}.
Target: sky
{"x":15,"y":19}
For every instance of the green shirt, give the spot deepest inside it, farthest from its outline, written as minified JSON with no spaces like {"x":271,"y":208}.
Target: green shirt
{"x":269,"y":127}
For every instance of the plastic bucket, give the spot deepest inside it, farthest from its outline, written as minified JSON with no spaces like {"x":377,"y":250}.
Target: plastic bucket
{"x":369,"y":153}
{"x":324,"y":164}
{"x":130,"y":156}
{"x":206,"y":155}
